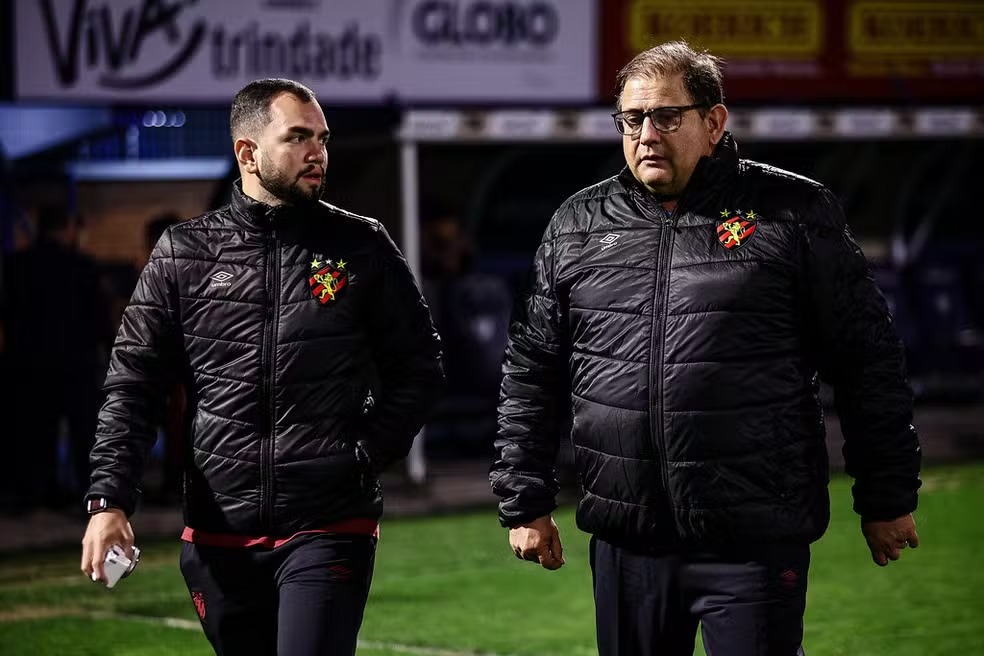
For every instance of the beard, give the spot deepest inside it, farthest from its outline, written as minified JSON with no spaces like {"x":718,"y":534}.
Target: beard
{"x":286,"y":187}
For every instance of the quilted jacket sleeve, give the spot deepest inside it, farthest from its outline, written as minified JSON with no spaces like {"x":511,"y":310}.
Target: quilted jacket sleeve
{"x":407,"y":354}
{"x":534,"y":399}
{"x":862,"y":357}
{"x":141,"y":368}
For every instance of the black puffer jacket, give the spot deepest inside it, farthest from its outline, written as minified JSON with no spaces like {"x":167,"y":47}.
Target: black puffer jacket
{"x":299,"y":395}
{"x":690,"y":368}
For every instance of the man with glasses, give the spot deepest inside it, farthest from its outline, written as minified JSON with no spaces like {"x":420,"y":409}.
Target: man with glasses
{"x":680,"y":315}
{"x":310,"y":362}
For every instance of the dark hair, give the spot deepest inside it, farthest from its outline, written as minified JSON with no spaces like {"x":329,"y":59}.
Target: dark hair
{"x":157,"y":226}
{"x":251,"y":104}
{"x":701,"y":71}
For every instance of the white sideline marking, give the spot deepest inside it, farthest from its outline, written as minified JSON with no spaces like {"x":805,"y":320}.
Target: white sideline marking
{"x":191,"y":625}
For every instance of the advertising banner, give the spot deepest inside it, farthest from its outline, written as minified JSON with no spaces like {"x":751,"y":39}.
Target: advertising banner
{"x":348,"y":51}
{"x":500,"y":51}
{"x":132,"y":50}
{"x":916,"y":40}
{"x":814,"y":50}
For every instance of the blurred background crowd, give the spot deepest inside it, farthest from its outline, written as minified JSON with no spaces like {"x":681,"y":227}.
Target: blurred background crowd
{"x":461,"y":125}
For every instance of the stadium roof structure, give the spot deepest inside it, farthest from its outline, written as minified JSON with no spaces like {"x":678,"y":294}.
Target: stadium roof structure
{"x":771,"y":123}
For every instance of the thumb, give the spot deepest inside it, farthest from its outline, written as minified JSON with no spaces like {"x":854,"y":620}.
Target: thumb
{"x":556,"y":547}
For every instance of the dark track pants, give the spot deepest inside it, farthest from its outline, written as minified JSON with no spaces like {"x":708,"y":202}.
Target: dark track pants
{"x":303,"y":598}
{"x":748,"y":604}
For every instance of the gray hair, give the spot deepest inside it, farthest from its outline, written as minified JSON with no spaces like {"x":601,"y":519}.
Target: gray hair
{"x":701,"y":71}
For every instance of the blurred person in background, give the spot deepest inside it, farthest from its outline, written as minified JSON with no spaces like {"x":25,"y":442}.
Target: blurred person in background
{"x":681,"y":313}
{"x":310,"y":362}
{"x":56,"y":326}
{"x":445,"y":257}
{"x":471,"y":311}
{"x":446,"y":252}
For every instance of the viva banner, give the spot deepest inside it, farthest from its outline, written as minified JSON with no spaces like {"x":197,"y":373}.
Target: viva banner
{"x":348,"y":51}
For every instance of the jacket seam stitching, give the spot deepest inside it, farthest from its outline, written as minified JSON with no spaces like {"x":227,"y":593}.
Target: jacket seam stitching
{"x":607,"y":405}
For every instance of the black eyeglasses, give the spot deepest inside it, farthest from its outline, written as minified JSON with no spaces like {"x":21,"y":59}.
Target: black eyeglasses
{"x":664,"y":119}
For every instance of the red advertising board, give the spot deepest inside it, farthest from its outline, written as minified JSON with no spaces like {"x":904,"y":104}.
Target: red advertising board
{"x":890,"y":51}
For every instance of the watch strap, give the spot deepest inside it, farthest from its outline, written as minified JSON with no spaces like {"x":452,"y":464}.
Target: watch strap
{"x":95,"y":505}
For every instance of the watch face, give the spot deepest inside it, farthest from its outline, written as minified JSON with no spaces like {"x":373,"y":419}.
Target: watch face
{"x":94,"y":505}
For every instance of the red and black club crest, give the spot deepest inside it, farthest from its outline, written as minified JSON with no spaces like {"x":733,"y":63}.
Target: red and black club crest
{"x":199,"y":599}
{"x":327,"y":279}
{"x":737,"y":228}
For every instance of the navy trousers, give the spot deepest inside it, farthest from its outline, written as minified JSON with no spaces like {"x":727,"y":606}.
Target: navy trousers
{"x":749,"y":602}
{"x":303,"y":598}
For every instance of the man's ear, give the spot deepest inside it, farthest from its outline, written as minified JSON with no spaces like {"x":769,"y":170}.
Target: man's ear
{"x":716,"y":119}
{"x":245,"y":150}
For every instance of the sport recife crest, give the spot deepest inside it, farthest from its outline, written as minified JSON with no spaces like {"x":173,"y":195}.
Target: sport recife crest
{"x":737,"y":228}
{"x":327,"y":279}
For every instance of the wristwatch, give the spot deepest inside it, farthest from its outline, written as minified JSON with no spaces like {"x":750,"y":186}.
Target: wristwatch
{"x":95,"y":505}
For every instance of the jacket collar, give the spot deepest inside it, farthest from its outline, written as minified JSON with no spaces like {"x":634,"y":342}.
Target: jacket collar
{"x":721,"y":164}
{"x":711,"y":170}
{"x":261,"y":216}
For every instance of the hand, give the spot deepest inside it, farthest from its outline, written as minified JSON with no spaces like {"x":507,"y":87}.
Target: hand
{"x":887,"y":539}
{"x":105,"y":529}
{"x":538,"y":542}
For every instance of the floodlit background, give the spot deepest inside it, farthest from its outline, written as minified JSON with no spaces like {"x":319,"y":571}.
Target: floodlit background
{"x":461,"y":125}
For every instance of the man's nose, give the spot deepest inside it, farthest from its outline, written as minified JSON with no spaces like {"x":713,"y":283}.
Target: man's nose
{"x":649,"y":133}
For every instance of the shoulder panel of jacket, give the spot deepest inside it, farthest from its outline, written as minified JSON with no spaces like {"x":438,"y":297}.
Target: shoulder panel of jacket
{"x":570,"y":218}
{"x":815,"y":205}
{"x":345,"y":214}
{"x":217,"y":218}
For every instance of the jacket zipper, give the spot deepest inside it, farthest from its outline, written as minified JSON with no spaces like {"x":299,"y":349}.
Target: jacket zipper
{"x":267,"y":407}
{"x":666,"y":230}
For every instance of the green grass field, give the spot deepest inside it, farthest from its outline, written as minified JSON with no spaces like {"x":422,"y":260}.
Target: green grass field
{"x":450,"y":585}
